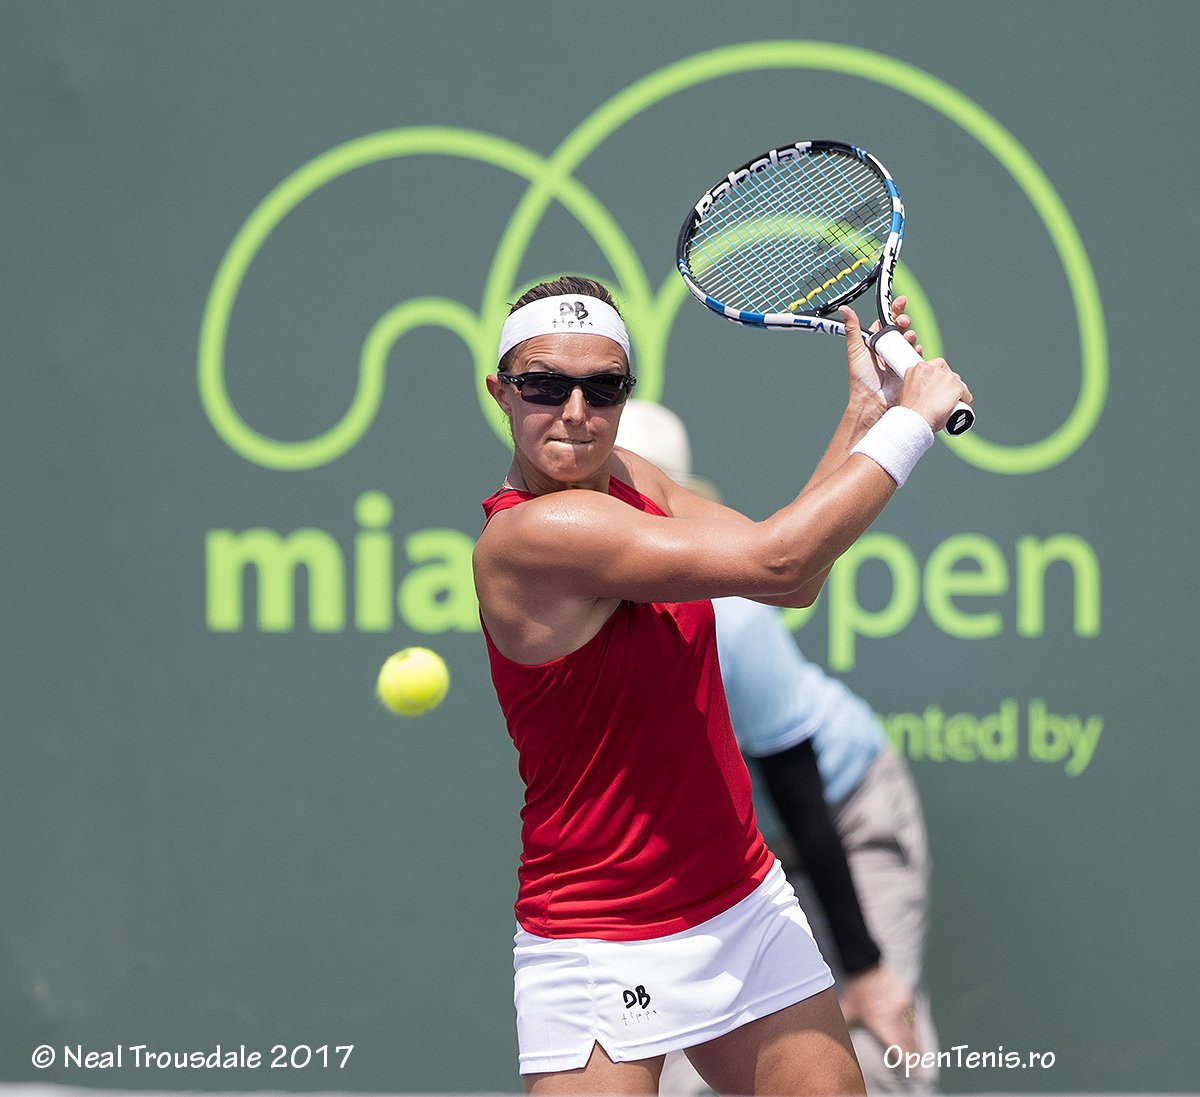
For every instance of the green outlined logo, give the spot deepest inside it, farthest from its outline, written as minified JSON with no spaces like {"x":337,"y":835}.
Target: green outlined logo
{"x":382,"y":573}
{"x":649,"y":311}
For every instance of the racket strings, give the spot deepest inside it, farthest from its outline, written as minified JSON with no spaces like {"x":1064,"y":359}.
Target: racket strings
{"x":802,"y":253}
{"x":795,"y":236}
{"x":835,"y":209}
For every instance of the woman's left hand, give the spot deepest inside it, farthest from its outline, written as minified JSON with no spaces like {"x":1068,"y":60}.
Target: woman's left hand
{"x":868,"y":373}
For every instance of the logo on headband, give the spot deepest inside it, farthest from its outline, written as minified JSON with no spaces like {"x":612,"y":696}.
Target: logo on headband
{"x":572,"y":314}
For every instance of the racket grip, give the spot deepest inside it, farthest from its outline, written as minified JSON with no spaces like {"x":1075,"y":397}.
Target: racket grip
{"x":889,"y":343}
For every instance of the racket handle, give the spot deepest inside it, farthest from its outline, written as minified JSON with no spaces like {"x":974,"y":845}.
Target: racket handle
{"x":889,"y":343}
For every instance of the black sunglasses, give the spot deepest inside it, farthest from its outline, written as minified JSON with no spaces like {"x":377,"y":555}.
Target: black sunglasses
{"x":600,"y":390}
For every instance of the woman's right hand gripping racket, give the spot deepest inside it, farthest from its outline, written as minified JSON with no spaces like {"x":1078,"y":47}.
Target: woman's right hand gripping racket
{"x":789,"y":237}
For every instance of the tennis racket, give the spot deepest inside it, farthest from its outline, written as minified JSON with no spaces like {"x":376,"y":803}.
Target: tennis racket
{"x":791,"y":235}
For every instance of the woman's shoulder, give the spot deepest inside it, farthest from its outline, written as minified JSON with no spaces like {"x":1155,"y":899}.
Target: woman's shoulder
{"x":535,"y":521}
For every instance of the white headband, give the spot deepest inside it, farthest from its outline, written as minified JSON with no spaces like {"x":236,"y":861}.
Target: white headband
{"x":570,"y":312}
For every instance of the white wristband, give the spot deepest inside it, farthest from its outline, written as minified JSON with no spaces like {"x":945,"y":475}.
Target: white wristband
{"x":896,"y":442}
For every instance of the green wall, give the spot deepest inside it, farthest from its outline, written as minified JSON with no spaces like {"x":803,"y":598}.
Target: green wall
{"x":254,"y":254}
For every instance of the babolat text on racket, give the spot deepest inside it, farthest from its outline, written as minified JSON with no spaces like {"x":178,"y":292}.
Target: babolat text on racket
{"x":786,"y":239}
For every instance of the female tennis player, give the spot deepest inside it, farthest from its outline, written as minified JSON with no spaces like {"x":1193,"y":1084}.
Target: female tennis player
{"x":651,"y":916}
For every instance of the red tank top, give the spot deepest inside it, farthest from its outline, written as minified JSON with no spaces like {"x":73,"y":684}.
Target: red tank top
{"x":637,"y":820}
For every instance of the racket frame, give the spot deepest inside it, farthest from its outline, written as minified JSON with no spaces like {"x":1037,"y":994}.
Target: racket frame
{"x":888,"y":341}
{"x":880,"y":275}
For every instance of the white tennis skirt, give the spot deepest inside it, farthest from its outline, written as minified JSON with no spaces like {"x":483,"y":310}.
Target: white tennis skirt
{"x":639,"y":999}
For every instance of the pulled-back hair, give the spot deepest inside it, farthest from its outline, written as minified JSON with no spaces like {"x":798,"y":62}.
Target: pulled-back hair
{"x":567,"y":284}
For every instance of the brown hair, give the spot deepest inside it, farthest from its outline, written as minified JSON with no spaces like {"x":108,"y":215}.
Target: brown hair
{"x":567,"y":284}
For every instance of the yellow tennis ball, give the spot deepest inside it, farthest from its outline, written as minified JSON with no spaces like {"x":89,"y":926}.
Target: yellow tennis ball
{"x":413,"y":681}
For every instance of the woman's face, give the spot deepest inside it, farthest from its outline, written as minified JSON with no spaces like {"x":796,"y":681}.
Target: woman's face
{"x":568,"y":446}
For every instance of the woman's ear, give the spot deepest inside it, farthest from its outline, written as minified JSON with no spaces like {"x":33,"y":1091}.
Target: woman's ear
{"x":496,"y":387}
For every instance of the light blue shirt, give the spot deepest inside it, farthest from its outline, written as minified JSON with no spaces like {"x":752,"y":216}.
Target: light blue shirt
{"x":777,"y":698}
